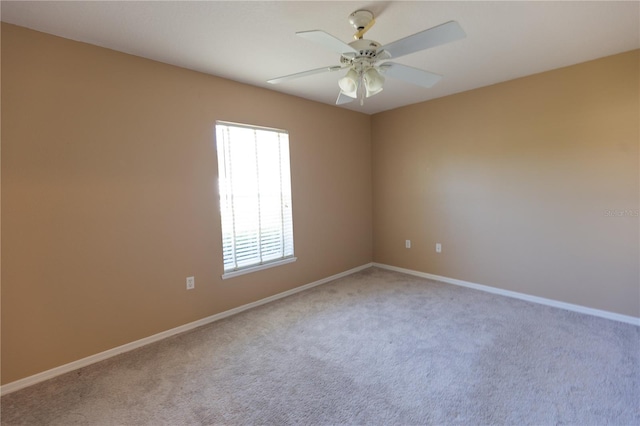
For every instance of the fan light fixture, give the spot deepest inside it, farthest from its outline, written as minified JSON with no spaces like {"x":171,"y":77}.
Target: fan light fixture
{"x":352,"y":81}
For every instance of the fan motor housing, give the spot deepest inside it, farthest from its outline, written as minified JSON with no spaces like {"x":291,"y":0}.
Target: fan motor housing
{"x":367,"y":51}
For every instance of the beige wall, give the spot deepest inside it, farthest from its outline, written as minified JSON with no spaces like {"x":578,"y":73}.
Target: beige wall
{"x":514,"y":180}
{"x":109,"y":197}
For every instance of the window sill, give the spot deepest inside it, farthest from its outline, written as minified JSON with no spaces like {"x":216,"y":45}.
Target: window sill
{"x":251,"y":269}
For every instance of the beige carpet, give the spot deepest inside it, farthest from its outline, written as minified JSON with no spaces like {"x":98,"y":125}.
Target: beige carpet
{"x":377,"y":347}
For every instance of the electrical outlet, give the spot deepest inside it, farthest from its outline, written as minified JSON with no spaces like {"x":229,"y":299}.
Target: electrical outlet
{"x":191,"y":283}
{"x":407,"y":244}
{"x":438,"y":248}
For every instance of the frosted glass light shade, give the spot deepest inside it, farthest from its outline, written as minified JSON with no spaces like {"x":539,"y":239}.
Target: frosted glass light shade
{"x":349,"y":83}
{"x":373,"y":81}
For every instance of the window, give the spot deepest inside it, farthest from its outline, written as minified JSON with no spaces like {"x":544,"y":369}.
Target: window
{"x":255,"y":197}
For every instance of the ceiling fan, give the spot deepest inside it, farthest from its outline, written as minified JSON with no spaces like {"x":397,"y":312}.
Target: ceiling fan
{"x":362,"y":57}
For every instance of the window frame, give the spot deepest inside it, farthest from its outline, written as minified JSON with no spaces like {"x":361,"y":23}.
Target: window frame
{"x":286,"y":221}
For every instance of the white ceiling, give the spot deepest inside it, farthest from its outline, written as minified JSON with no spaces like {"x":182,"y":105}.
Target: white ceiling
{"x":252,"y":42}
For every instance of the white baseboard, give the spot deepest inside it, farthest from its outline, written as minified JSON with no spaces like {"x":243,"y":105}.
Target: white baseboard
{"x":541,"y":300}
{"x":57,"y":371}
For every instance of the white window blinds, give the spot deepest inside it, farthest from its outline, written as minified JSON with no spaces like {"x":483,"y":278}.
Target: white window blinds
{"x":255,"y":197}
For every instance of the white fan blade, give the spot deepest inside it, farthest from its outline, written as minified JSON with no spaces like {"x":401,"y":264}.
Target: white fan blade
{"x":304,"y":74}
{"x":343,"y":98}
{"x":409,"y":74}
{"x":444,"y":33}
{"x":327,"y":40}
